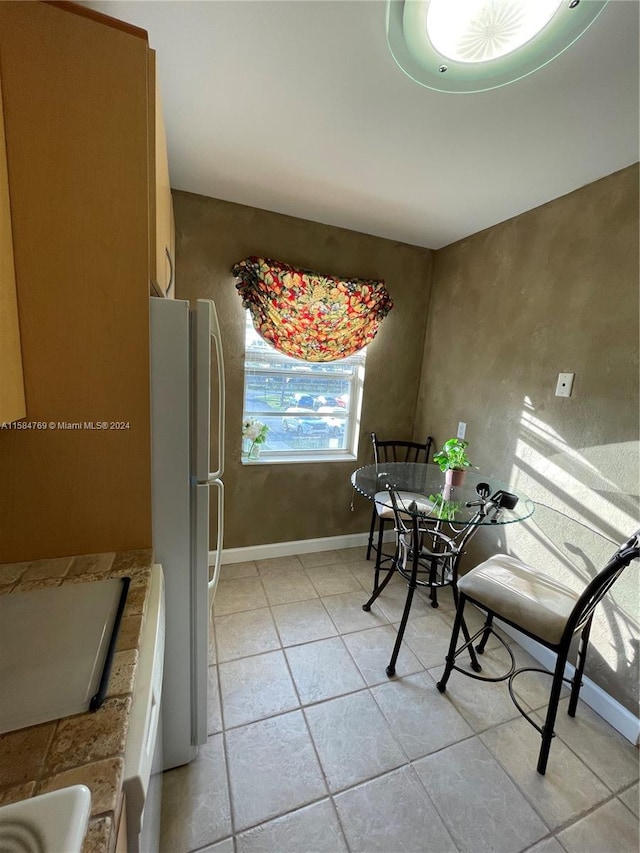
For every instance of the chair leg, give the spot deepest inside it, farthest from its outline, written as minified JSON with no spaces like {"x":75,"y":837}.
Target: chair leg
{"x":411,"y":588}
{"x":378,"y":589}
{"x":381,"y":522}
{"x":552,"y":710}
{"x":372,"y":530}
{"x":487,"y":633}
{"x":577,"y":676}
{"x":391,"y":669}
{"x":475,"y":664}
{"x":455,"y":633}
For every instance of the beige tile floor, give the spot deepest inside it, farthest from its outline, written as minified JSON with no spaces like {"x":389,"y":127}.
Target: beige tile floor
{"x":312,"y":749}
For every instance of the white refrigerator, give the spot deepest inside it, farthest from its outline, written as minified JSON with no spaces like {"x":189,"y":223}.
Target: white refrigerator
{"x":186,"y":361}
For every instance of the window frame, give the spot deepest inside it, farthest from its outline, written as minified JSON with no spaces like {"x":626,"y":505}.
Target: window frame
{"x":355,"y":379}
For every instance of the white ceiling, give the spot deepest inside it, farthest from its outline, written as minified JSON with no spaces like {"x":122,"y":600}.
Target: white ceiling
{"x":298,"y":107}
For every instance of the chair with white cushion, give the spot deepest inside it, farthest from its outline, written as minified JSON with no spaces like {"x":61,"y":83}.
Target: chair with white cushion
{"x":382,"y":512}
{"x":543,"y":609}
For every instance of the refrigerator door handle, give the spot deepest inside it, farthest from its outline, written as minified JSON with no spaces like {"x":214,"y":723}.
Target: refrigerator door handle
{"x":216,"y":337}
{"x":206,"y":331}
{"x":213,"y":583}
{"x":200,"y":615}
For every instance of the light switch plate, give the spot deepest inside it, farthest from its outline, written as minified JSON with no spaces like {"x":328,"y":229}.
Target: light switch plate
{"x":565,"y":384}
{"x":462,"y":429}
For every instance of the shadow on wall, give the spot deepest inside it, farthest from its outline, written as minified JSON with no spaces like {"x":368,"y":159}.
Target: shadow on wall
{"x":586,"y":505}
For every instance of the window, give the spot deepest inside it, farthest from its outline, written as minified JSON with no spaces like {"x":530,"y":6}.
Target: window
{"x":312,"y":409}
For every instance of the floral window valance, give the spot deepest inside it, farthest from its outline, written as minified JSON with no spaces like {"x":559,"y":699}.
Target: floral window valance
{"x":308,"y":315}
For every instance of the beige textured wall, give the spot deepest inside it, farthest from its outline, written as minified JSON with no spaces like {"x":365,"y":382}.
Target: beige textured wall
{"x":553,"y":290}
{"x":279,"y":503}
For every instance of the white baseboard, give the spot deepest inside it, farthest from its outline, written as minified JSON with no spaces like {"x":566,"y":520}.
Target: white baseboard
{"x":591,"y":694}
{"x":623,"y":720}
{"x":300,"y":546}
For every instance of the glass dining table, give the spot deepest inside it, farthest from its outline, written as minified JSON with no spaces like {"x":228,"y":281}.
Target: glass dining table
{"x":425,"y":495}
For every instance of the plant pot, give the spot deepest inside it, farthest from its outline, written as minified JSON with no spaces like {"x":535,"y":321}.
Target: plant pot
{"x":453,"y":477}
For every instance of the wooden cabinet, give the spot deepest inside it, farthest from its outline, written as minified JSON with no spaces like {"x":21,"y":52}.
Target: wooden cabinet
{"x":75,"y":91}
{"x":162,"y":228}
{"x":12,"y":403}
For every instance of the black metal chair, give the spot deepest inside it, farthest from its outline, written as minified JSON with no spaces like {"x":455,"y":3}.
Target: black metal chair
{"x":426,"y":556}
{"x":391,"y":451}
{"x":543,"y":609}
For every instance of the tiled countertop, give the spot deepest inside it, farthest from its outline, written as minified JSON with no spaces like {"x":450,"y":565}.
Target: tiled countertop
{"x":86,"y":748}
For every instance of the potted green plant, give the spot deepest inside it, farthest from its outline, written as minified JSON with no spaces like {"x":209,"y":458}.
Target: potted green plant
{"x":453,"y":460}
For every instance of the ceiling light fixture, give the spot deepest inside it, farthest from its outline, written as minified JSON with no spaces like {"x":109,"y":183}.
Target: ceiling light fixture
{"x":470,"y":46}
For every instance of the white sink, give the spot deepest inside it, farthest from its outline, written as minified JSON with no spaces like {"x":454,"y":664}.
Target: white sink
{"x":50,"y":823}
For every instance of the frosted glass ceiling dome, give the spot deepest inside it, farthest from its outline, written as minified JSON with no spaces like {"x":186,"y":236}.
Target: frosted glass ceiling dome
{"x":474,"y":45}
{"x":482,"y":30}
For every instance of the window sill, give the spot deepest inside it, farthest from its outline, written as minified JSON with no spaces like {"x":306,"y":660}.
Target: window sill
{"x":297,"y":458}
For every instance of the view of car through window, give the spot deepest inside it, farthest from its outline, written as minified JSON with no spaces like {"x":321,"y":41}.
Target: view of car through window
{"x":309,"y":407}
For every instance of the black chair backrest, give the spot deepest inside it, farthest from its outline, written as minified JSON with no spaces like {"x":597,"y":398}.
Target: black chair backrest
{"x":600,"y":585}
{"x":399,"y":507}
{"x":434,"y":544}
{"x":401,"y":451}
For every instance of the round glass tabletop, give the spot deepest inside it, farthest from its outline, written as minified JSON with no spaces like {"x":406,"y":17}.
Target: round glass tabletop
{"x":423,"y":493}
